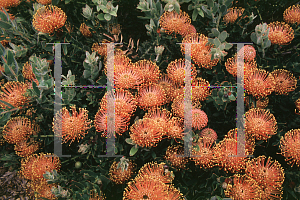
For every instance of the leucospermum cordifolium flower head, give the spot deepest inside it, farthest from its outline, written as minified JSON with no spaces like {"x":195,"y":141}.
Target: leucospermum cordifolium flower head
{"x":291,"y":14}
{"x":47,"y":19}
{"x":280,"y":33}
{"x":233,"y":14}
{"x":289,"y":145}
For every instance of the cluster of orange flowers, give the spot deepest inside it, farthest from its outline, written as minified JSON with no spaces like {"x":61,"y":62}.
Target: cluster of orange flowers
{"x":152,"y":182}
{"x":119,"y":174}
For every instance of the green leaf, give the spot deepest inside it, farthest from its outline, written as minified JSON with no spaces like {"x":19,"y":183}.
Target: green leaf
{"x":55,"y":2}
{"x":210,"y":3}
{"x":107,"y":17}
{"x":208,"y":12}
{"x":223,"y":9}
{"x":8,"y":104}
{"x":5,"y":25}
{"x":228,"y":3}
{"x":217,"y":42}
{"x":133,"y":150}
{"x":3,"y":16}
{"x":215,"y":8}
{"x":215,"y":32}
{"x":200,"y":12}
{"x":194,"y":15}
{"x":65,"y":49}
{"x":223,"y":36}
{"x":228,"y":46}
{"x":190,"y":7}
{"x":153,"y":154}
{"x":177,"y":7}
{"x":101,"y":17}
{"x":36,"y":89}
{"x":67,"y":1}
{"x":129,"y":141}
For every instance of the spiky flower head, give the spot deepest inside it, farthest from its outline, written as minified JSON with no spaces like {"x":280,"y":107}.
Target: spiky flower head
{"x":199,"y":119}
{"x":233,"y":14}
{"x":172,"y":22}
{"x":262,"y":102}
{"x":175,"y":128}
{"x":155,"y":171}
{"x":227,"y":156}
{"x":243,"y":187}
{"x":280,"y":33}
{"x":203,"y":154}
{"x":27,"y":71}
{"x":232,"y":66}
{"x":33,"y":167}
{"x":146,"y":133}
{"x":201,"y":89}
{"x":101,"y":49}
{"x":168,"y":86}
{"x":14,"y":93}
{"x":209,"y":133}
{"x":259,"y":83}
{"x":49,"y":18}
{"x":119,"y":174}
{"x":151,"y":97}
{"x":9,"y":3}
{"x":200,"y":50}
{"x":249,"y":52}
{"x":85,"y":30}
{"x":289,"y":146}
{"x":176,"y":71}
{"x":149,"y":70}
{"x":285,"y":82}
{"x":44,"y":2}
{"x":41,"y":189}
{"x":71,"y":126}
{"x":268,"y":174}
{"x":260,"y":123}
{"x":18,"y":129}
{"x":175,"y":155}
{"x":24,"y":149}
{"x":292,"y":14}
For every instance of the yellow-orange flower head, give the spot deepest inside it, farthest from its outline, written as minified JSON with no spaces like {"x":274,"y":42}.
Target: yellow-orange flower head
{"x":49,"y":18}
{"x":289,"y":146}
{"x":149,"y":70}
{"x":85,"y":30}
{"x":232,"y":68}
{"x":200,"y":52}
{"x":14,"y":93}
{"x":9,"y":3}
{"x":24,"y":149}
{"x":249,"y":52}
{"x":209,"y":133}
{"x":259,"y":83}
{"x":71,"y":127}
{"x":269,"y":175}
{"x":118,"y":174}
{"x":200,"y":89}
{"x":204,"y":155}
{"x":292,"y":14}
{"x":280,"y":33}
{"x":18,"y":129}
{"x":199,"y":119}
{"x":260,"y":123}
{"x":233,"y":14}
{"x":173,"y":22}
{"x":27,"y":71}
{"x":44,"y":2}
{"x":243,"y":187}
{"x":34,"y":166}
{"x":174,"y":155}
{"x":151,"y":97}
{"x":285,"y":81}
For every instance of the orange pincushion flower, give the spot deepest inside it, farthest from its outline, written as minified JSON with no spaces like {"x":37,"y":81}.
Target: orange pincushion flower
{"x":260,"y":123}
{"x":151,"y":97}
{"x":227,"y":156}
{"x":289,"y":146}
{"x":125,"y":103}
{"x":27,"y":71}
{"x":9,"y":3}
{"x":101,"y":120}
{"x":259,"y":83}
{"x":24,"y":149}
{"x":176,"y":71}
{"x":85,"y":30}
{"x":243,"y":188}
{"x":101,"y":49}
{"x":204,"y":155}
{"x":174,"y":194}
{"x":14,"y":94}
{"x":201,"y":89}
{"x":200,"y":52}
{"x":292,"y":14}
{"x":145,"y":133}
{"x":129,"y":78}
{"x":44,"y":2}
{"x":34,"y":166}
{"x":119,"y":174}
{"x":146,"y":189}
{"x":121,"y":63}
{"x":173,"y":22}
{"x":71,"y":127}
{"x":178,"y":105}
{"x":209,"y":133}
{"x":18,"y":129}
{"x":49,"y":18}
{"x":155,"y":171}
{"x":175,"y":128}
{"x":233,"y":14}
{"x":188,"y":29}
{"x":42,"y":189}
{"x":262,"y":103}
{"x":174,"y":155}
{"x":199,"y":119}
{"x":168,"y":86}
{"x":249,"y":53}
{"x":149,"y":71}
{"x":285,"y":81}
{"x":231,"y":66}
{"x":269,"y":176}
{"x":161,"y":117}
{"x":280,"y":33}
{"x":248,"y":142}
